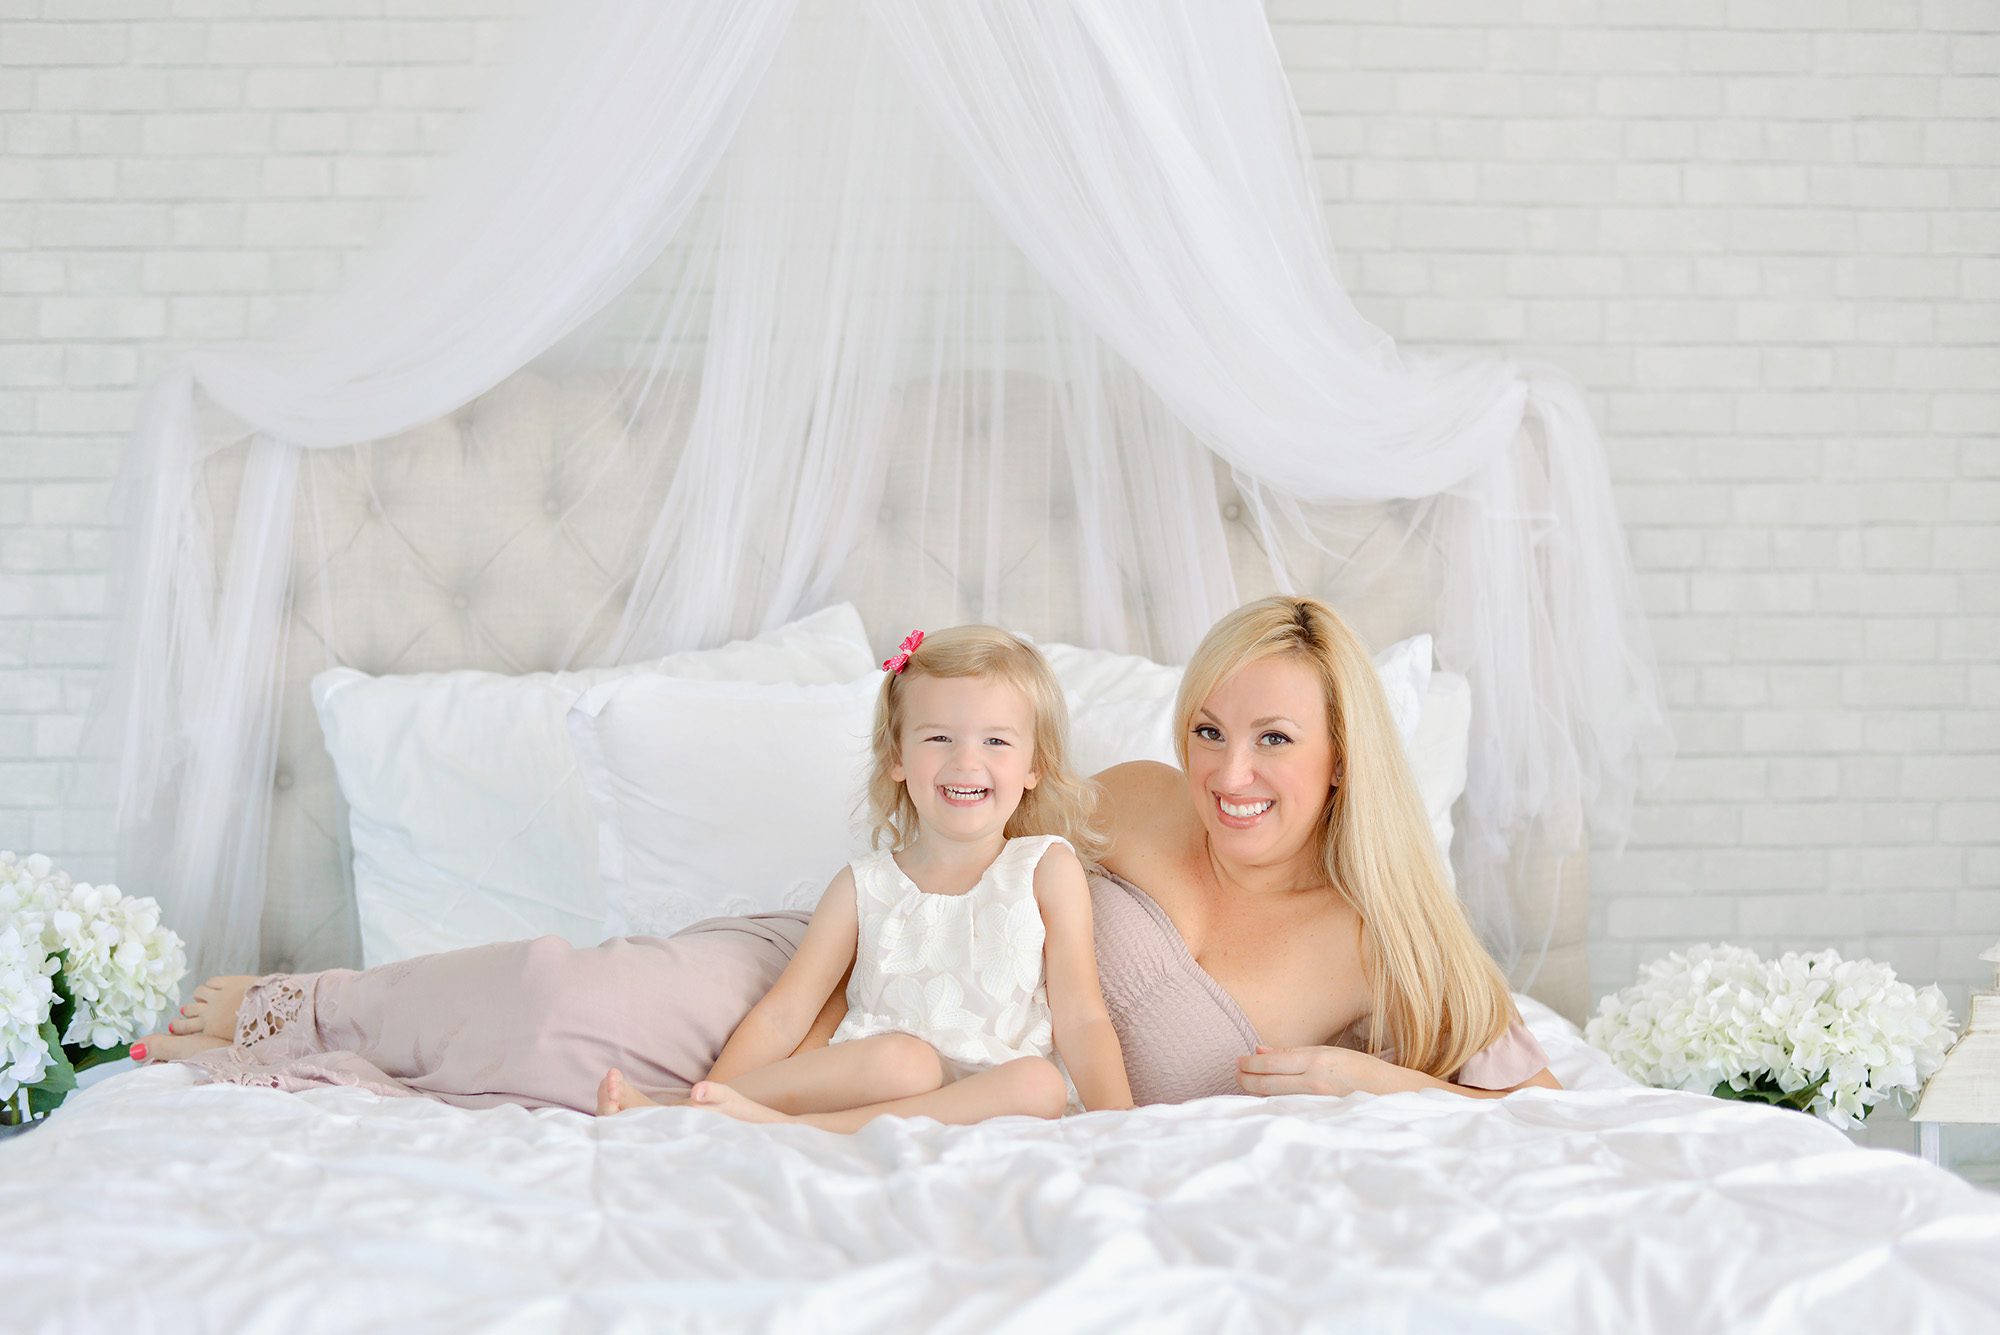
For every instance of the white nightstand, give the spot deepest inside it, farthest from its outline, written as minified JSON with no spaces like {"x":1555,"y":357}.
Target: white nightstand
{"x":1958,"y":1115}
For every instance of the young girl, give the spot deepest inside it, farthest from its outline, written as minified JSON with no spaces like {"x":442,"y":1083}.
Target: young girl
{"x":968,"y":937}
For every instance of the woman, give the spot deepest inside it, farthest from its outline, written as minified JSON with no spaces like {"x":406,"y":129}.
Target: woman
{"x":1297,"y":933}
{"x":1292,"y":859}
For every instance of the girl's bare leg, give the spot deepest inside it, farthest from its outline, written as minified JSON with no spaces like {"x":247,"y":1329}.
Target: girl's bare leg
{"x":1027,"y":1086}
{"x":615,"y":1095}
{"x":867,"y":1070}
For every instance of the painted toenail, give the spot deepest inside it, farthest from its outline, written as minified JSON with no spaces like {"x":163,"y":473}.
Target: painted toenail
{"x":138,"y":1052}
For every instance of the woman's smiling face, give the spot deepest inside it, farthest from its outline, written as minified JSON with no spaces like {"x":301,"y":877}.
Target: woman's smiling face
{"x":1260,"y":762}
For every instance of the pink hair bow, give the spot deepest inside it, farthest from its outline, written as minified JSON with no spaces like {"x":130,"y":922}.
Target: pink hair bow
{"x":899,"y":660}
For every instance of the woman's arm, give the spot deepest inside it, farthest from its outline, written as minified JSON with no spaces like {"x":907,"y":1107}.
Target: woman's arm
{"x":1338,"y":1071}
{"x":1083,"y":1032}
{"x":777,"y":1026}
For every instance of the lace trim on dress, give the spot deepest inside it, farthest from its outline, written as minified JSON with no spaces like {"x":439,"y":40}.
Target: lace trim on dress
{"x":232,"y":1065}
{"x":278,"y":1045}
{"x":268,"y":1023}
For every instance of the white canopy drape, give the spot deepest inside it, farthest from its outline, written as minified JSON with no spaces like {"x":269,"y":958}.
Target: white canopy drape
{"x":1070,"y":246}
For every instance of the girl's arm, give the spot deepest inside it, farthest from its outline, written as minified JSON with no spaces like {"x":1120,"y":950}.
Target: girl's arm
{"x":830,"y":1016}
{"x":1084,"y":1036}
{"x":776,"y":1026}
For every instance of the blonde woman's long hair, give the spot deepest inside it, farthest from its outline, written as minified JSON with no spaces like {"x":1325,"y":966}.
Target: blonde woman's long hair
{"x":1438,"y":996}
{"x":1061,"y":802}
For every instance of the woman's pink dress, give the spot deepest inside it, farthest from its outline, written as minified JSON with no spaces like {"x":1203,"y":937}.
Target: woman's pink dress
{"x":538,"y":1022}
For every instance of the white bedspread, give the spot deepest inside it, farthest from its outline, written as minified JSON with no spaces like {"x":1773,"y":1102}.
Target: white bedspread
{"x":153,"y":1204}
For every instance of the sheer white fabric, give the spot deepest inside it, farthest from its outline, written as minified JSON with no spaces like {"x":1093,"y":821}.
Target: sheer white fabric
{"x":831,"y":265}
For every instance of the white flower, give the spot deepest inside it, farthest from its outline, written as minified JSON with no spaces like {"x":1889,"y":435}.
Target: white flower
{"x":1690,"y":1021}
{"x":1717,"y":1015}
{"x":30,"y":888}
{"x":119,"y":965}
{"x":26,"y":995}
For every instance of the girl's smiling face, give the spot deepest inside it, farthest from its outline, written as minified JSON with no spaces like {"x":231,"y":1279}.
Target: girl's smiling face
{"x":1260,"y":762}
{"x":968,"y":753}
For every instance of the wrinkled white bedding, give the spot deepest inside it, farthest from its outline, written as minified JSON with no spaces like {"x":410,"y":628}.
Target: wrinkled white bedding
{"x":153,"y":1204}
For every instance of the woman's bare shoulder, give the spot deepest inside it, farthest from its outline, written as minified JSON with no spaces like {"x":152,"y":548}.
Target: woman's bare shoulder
{"x":1141,"y":775}
{"x":1147,"y":811}
{"x":1140,"y":787}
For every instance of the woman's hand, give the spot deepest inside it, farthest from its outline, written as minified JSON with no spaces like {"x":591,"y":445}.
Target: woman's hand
{"x":1317,"y":1070}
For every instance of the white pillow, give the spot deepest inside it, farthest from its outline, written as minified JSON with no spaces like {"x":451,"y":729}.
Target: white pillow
{"x":1439,"y":751}
{"x":720,"y":798}
{"x":468,"y":820}
{"x":1405,"y":669}
{"x":1103,"y":733}
{"x":1100,"y":675}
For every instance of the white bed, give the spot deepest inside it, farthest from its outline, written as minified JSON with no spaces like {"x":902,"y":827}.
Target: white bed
{"x":154,"y":1204}
{"x":149,"y":1203}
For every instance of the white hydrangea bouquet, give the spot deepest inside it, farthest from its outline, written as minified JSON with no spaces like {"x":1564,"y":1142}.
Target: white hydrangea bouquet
{"x":1815,"y":1032}
{"x":84,"y":970}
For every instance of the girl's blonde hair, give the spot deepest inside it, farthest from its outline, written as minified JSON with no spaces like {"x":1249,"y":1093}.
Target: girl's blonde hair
{"x":1438,"y":996}
{"x":1061,"y":802}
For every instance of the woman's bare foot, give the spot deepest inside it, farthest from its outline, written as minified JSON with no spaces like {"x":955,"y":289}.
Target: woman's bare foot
{"x":711,"y":1094}
{"x":615,"y":1095}
{"x":173,"y":1047}
{"x":213,"y":1010}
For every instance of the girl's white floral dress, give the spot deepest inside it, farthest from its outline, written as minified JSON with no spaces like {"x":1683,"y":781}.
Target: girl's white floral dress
{"x":962,"y":972}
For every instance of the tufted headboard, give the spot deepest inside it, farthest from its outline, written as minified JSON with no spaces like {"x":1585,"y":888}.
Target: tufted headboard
{"x":509,"y":524}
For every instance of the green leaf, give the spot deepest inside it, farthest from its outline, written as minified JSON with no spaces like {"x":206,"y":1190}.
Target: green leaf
{"x":1765,"y":1092}
{"x":65,"y":1000}
{"x":99,"y":1056}
{"x":60,"y":1078}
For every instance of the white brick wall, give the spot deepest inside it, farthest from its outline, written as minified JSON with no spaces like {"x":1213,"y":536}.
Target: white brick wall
{"x":1761,"y":235}
{"x":171,"y":172}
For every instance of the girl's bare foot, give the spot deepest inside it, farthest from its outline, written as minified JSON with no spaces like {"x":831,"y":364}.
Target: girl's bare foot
{"x":614,"y":1095}
{"x":710,"y":1094}
{"x":173,"y":1047}
{"x":213,"y":1010}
